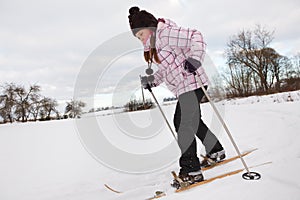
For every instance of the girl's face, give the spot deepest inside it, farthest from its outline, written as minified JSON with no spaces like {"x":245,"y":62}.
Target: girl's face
{"x":143,"y":35}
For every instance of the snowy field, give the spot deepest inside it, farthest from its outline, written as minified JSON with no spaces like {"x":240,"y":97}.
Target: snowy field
{"x":47,"y":161}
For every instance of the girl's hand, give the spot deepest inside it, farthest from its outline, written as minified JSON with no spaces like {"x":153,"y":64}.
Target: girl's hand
{"x":191,"y":65}
{"x":147,"y":82}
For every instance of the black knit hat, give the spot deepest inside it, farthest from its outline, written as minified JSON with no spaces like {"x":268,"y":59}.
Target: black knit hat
{"x":141,"y":19}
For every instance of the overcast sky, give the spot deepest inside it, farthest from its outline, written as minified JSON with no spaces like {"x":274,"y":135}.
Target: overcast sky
{"x":47,"y":42}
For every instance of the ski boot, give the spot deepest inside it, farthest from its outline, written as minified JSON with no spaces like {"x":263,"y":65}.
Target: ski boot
{"x":184,"y":180}
{"x":213,"y":158}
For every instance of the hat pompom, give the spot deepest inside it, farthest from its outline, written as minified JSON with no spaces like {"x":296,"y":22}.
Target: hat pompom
{"x":134,"y":10}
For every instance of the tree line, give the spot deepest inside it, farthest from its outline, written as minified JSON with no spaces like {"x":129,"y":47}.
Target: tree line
{"x":253,"y":67}
{"x":134,"y":105}
{"x":20,"y":104}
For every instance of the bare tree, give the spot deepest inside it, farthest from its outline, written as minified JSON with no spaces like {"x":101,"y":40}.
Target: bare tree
{"x":35,"y":109}
{"x":135,"y":105}
{"x":23,"y":102}
{"x":20,"y":104}
{"x":8,"y":102}
{"x":74,"y":108}
{"x":296,"y":64}
{"x":291,"y":73}
{"x":45,"y":107}
{"x":217,"y":91}
{"x":4,"y":112}
{"x":252,"y":63}
{"x":239,"y":79}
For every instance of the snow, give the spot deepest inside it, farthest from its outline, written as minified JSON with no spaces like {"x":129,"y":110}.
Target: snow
{"x":273,"y":98}
{"x":47,"y":160}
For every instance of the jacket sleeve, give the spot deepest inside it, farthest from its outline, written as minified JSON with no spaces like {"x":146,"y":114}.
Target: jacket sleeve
{"x":158,"y":77}
{"x":178,"y":37}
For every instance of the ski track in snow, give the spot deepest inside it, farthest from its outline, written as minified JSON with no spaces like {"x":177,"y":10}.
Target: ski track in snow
{"x":46,"y":160}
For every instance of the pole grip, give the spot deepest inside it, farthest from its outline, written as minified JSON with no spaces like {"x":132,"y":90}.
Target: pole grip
{"x":149,"y":88}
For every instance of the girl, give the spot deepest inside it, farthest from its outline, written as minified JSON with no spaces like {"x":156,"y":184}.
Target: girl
{"x":179,"y":52}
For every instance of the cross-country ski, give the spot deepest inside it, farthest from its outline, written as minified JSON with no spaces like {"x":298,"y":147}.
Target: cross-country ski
{"x":203,"y":169}
{"x":226,"y":174}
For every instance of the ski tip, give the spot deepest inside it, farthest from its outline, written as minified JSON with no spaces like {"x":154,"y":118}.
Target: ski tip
{"x":174,"y":174}
{"x":111,"y":189}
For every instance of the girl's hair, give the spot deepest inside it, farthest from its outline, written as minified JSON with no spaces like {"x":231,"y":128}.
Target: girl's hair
{"x":149,"y":55}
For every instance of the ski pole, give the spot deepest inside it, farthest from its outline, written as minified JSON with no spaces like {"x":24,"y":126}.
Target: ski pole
{"x":163,"y":114}
{"x":143,"y":95}
{"x":249,"y":175}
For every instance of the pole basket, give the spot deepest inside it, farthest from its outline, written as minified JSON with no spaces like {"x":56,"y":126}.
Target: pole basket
{"x":251,"y":176}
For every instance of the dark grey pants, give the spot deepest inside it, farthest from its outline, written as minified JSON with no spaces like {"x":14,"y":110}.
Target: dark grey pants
{"x":188,"y":123}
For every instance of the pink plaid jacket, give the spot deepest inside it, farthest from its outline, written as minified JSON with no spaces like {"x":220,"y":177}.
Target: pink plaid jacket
{"x":174,"y":44}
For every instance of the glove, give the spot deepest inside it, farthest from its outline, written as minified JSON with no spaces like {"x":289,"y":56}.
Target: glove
{"x":191,"y":65}
{"x":146,"y":82}
{"x":147,"y":86}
